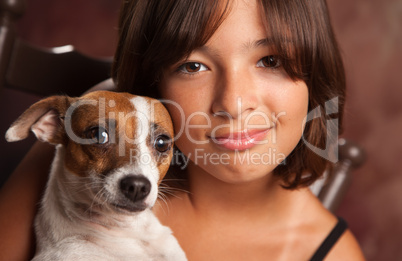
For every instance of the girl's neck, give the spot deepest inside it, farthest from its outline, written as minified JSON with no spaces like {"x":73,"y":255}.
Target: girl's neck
{"x":264,"y":198}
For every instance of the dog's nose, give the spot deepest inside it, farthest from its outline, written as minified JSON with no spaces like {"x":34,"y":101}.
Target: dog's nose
{"x":135,"y":188}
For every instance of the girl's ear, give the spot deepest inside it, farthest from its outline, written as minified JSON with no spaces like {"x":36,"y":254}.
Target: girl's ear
{"x":44,"y":118}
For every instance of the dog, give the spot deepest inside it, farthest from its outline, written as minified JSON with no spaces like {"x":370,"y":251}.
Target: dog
{"x":112,"y":151}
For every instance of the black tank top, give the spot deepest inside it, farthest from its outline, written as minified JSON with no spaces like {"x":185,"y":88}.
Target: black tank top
{"x":330,"y":241}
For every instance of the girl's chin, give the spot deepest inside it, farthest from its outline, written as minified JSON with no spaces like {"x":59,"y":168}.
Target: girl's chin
{"x":235,"y":174}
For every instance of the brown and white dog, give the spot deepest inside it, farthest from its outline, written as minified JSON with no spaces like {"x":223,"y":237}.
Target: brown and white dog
{"x":113,"y":149}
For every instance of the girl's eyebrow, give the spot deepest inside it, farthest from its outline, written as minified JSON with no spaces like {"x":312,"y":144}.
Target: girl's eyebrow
{"x":208,"y":50}
{"x":265,"y":42}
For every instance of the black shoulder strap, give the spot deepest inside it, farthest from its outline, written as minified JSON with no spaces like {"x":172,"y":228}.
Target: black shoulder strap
{"x":330,"y":241}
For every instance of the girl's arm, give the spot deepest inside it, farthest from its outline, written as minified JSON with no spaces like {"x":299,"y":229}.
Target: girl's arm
{"x":19,"y":198}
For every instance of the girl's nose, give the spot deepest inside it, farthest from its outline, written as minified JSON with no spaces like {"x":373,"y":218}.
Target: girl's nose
{"x":235,"y":94}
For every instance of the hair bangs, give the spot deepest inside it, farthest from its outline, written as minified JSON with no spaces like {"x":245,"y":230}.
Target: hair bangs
{"x":173,"y":29}
{"x":287,"y":27}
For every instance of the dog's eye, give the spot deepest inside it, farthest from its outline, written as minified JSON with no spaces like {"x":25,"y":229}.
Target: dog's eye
{"x":162,"y":143}
{"x":99,"y":135}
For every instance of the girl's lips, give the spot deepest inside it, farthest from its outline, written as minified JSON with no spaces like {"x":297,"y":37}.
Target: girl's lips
{"x":240,"y":140}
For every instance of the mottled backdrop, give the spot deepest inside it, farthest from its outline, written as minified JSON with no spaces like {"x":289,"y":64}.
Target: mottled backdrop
{"x":370,"y":37}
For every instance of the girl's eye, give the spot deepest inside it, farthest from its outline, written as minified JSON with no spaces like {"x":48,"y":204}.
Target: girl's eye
{"x":192,"y":67}
{"x":270,"y":61}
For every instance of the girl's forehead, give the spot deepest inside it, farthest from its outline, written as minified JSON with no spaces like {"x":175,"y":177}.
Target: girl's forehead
{"x":241,"y":29}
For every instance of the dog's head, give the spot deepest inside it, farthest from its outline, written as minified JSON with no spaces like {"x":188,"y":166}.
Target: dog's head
{"x":116,"y":147}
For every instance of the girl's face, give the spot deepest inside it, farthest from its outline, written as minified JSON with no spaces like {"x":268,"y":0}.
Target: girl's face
{"x":237,"y":113}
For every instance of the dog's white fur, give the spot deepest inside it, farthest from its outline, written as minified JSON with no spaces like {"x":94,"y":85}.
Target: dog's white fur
{"x":65,"y":235}
{"x":67,"y":229}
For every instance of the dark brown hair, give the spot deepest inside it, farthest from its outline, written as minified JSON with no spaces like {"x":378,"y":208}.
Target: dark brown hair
{"x":155,"y":34}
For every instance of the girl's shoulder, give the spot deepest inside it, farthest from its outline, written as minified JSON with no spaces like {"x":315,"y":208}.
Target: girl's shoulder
{"x":106,"y":85}
{"x":333,"y":237}
{"x":346,"y":248}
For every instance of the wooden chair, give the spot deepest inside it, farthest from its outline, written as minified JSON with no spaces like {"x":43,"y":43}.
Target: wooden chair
{"x":28,"y":73}
{"x":332,"y":188}
{"x":43,"y":71}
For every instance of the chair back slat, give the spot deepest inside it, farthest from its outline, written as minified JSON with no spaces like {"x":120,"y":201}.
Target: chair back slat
{"x":54,"y":70}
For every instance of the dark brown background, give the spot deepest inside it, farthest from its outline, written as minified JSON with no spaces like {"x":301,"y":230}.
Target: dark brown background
{"x":370,"y":37}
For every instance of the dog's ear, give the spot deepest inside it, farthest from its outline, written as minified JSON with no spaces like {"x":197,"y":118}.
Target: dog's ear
{"x":44,"y":118}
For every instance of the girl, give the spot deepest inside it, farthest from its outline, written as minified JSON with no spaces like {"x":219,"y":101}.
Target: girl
{"x":239,"y":77}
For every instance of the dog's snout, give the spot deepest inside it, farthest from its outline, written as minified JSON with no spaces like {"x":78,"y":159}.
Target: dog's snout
{"x":135,"y":188}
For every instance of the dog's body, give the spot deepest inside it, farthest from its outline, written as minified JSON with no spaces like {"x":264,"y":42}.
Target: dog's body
{"x":70,"y":236}
{"x":98,"y":200}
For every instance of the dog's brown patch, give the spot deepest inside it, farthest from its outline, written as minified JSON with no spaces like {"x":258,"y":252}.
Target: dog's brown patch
{"x":115,"y":113}
{"x":163,"y":122}
{"x":104,"y":112}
